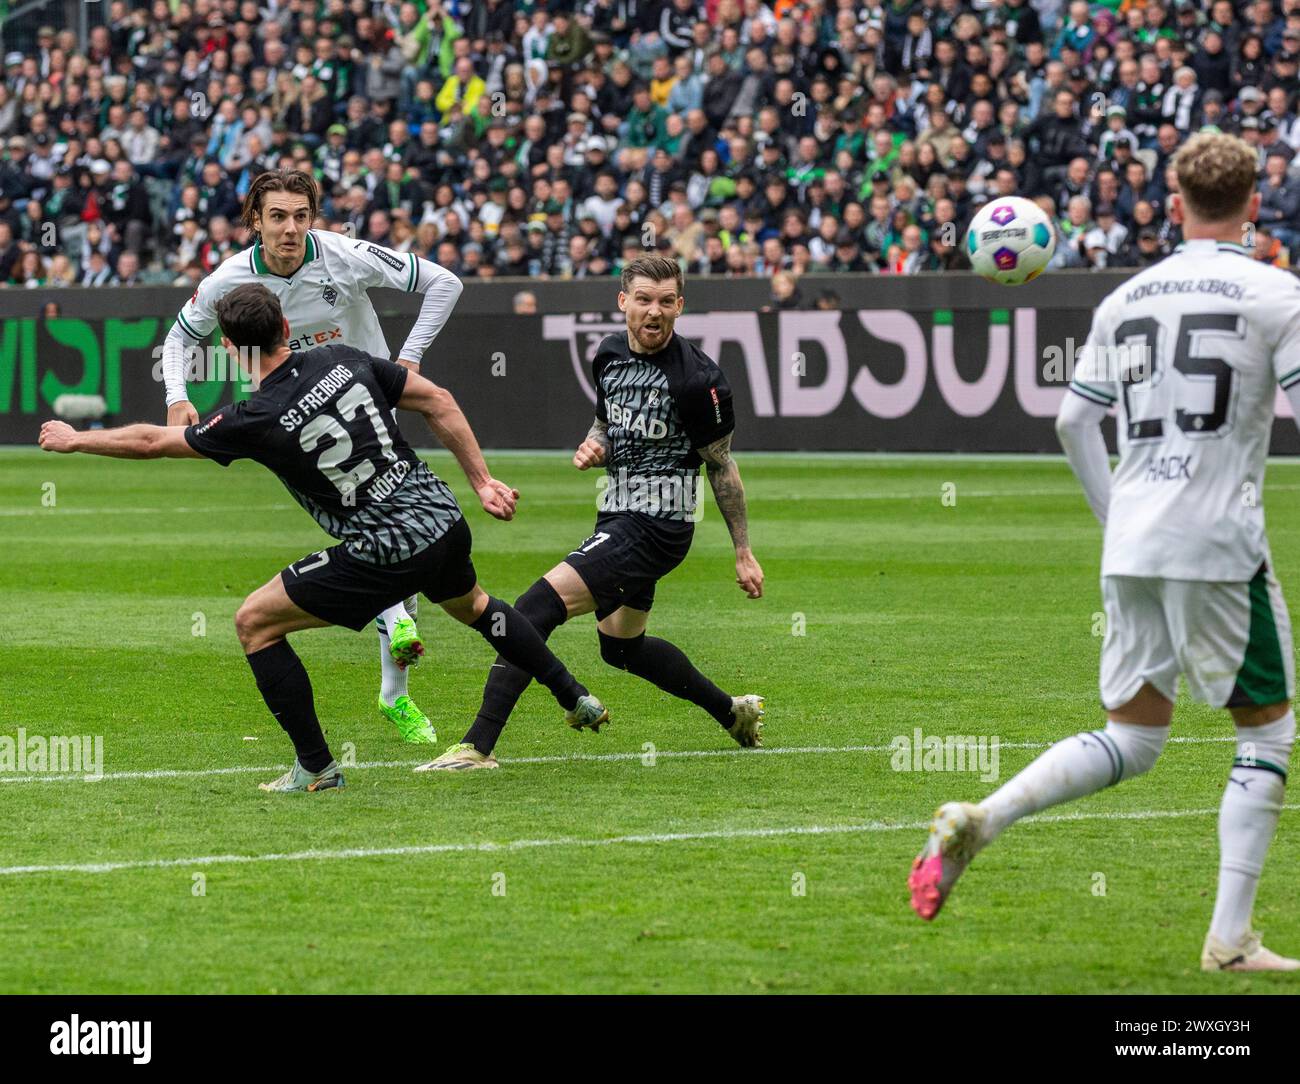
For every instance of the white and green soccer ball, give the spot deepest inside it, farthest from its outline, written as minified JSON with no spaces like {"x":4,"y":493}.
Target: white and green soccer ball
{"x":1010,"y":240}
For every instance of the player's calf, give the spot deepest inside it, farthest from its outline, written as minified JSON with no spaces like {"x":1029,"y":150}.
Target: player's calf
{"x":1248,"y":819}
{"x":518,"y":642}
{"x":666,"y":666}
{"x":285,"y":687}
{"x":546,"y":611}
{"x":1070,"y":769}
{"x":262,"y":622}
{"x":1074,"y":768}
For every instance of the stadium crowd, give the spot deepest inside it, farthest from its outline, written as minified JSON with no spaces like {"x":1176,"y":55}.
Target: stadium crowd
{"x":559,"y":139}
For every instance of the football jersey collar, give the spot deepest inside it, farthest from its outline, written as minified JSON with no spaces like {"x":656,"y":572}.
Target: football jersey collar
{"x":657,"y":357}
{"x":259,"y":264}
{"x":281,"y":370}
{"x":1205,"y":244}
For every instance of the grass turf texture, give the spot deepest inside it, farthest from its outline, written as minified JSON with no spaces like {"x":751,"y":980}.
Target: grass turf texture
{"x":973,"y":618}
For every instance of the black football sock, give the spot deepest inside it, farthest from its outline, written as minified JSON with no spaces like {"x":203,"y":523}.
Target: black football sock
{"x":666,"y":665}
{"x":283,"y":682}
{"x":506,"y":683}
{"x":518,"y":642}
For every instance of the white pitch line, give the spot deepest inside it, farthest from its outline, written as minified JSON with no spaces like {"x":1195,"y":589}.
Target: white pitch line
{"x":563,"y":758}
{"x":928,"y":495}
{"x":54,"y":513}
{"x":568,"y":841}
{"x":757,"y":497}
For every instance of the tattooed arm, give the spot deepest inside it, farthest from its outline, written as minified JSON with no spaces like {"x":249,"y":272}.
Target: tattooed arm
{"x":593,"y":451}
{"x":729,"y":492}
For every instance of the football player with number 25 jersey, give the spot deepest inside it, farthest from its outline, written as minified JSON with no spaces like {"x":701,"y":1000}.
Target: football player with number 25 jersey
{"x":1190,"y":352}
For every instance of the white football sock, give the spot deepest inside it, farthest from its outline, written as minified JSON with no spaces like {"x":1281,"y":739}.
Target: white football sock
{"x":391,"y":616}
{"x":1072,"y":768}
{"x":394,"y":681}
{"x":1252,"y":804}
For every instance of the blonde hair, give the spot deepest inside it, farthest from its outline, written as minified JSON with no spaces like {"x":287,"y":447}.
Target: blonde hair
{"x":1216,"y":175}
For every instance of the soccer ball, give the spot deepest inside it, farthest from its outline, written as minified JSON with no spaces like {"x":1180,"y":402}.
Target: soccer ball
{"x":1010,"y":241}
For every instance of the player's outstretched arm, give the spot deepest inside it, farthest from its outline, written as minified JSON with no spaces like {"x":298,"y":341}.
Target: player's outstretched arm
{"x":594,"y":449}
{"x":1078,"y":425}
{"x":451,"y":427}
{"x":729,"y":492}
{"x":127,"y":442}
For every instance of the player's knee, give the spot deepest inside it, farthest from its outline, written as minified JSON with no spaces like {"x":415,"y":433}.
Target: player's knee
{"x":542,"y":606}
{"x":1138,"y":746}
{"x":248,"y":623}
{"x":1267,"y":745}
{"x":619,"y":651}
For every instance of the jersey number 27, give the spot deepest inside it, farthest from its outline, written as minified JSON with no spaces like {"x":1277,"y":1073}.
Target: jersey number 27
{"x":332,"y":458}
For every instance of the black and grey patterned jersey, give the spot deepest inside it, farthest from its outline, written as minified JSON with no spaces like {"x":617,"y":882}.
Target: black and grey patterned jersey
{"x":323,"y":423}
{"x":659,"y":408}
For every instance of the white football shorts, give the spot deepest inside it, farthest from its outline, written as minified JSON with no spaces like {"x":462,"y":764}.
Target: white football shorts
{"x":1231,"y":641}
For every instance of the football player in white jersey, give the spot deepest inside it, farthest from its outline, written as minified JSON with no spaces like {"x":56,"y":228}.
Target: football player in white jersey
{"x":321,"y":279}
{"x":1190,"y":352}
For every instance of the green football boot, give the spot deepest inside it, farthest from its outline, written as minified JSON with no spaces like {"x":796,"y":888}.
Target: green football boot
{"x":299,"y":779}
{"x":404,"y":643}
{"x":411,"y":722}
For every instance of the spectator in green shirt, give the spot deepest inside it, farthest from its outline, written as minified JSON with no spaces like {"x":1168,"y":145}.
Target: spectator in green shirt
{"x":569,"y":43}
{"x":646,"y":123}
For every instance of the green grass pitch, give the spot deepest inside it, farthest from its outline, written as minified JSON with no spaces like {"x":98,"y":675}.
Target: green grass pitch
{"x":887,"y":608}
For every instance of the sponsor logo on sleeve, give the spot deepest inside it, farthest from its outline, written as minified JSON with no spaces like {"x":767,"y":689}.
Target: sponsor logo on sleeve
{"x":209,"y":424}
{"x":717,"y":406}
{"x":387,"y":257}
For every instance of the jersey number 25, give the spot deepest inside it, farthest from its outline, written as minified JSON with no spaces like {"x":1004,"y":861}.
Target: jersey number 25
{"x":1192,"y":330}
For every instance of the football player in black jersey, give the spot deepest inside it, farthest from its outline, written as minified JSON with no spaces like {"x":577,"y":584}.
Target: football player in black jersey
{"x":663,"y":408}
{"x":321,"y":420}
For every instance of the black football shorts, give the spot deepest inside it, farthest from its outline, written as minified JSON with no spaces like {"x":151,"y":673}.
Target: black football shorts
{"x":627,"y":555}
{"x":337,"y":587}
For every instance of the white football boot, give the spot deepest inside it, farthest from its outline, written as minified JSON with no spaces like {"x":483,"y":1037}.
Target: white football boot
{"x":956,"y":833}
{"x":748,"y":727}
{"x":1246,"y":955}
{"x":298,"y":780}
{"x":460,"y":758}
